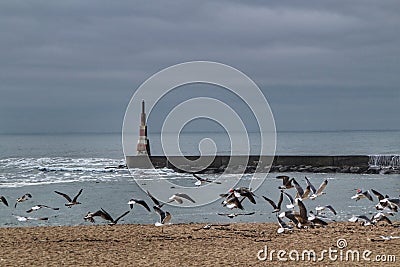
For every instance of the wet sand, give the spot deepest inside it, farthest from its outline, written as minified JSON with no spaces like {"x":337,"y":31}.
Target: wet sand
{"x":236,"y":244}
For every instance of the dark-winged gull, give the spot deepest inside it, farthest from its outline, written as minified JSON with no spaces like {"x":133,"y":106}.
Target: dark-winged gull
{"x":38,"y":207}
{"x":22,"y":199}
{"x":141,"y":202}
{"x":70,"y":202}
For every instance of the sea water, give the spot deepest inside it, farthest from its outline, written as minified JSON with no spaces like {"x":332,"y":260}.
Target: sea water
{"x":42,"y":163}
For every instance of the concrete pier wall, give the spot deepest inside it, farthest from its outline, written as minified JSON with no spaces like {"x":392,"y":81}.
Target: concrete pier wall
{"x":218,"y":164}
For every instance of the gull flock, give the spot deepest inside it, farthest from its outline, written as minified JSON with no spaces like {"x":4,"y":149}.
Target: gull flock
{"x":290,"y":208}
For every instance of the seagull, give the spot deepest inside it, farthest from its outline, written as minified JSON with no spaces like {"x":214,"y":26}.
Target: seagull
{"x":105,"y":215}
{"x":319,"y":209}
{"x":70,"y":202}
{"x":366,"y":222}
{"x":233,"y":215}
{"x":389,"y":237}
{"x":290,"y":215}
{"x":38,"y":207}
{"x":283,"y":226}
{"x":320,"y":190}
{"x":277,"y":207}
{"x":386,"y":202}
{"x":165,"y":217}
{"x":302,"y":215}
{"x":178,"y":197}
{"x":286,"y":181}
{"x":133,"y":201}
{"x":233,"y":202}
{"x":299,"y":189}
{"x":25,"y":219}
{"x":4,"y":200}
{"x":291,"y":200}
{"x":378,"y":217}
{"x":315,"y":220}
{"x":244,"y":192}
{"x":155,"y":201}
{"x":23,"y":198}
{"x":201,"y":181}
{"x":359,"y":195}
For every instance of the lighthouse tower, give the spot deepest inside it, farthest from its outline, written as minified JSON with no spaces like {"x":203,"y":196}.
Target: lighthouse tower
{"x":143,"y":146}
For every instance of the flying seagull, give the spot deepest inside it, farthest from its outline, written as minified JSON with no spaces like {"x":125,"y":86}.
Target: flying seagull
{"x":165,"y":216}
{"x":133,"y":201}
{"x":105,"y":215}
{"x":233,"y":215}
{"x":286,"y":182}
{"x":366,"y":222}
{"x":70,"y":202}
{"x":360,"y":194}
{"x":201,"y":181}
{"x":277,"y":207}
{"x":4,"y":200}
{"x":155,"y":201}
{"x":23,"y":198}
{"x":283,"y":226}
{"x":25,"y":219}
{"x":38,"y":207}
{"x":233,"y":202}
{"x":320,"y":190}
{"x":179,"y":197}
{"x":319,"y":209}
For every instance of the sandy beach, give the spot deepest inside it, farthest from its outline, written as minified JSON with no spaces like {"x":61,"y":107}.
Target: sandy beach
{"x":235,"y":244}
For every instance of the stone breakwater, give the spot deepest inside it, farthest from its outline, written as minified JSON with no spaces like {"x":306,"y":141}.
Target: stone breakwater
{"x":253,"y":163}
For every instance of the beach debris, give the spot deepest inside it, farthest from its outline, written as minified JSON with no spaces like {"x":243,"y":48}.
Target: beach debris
{"x":38,"y":207}
{"x":141,"y":202}
{"x":360,"y":194}
{"x":4,"y":200}
{"x":200,"y":181}
{"x":70,"y":202}
{"x":233,"y":215}
{"x":23,"y":198}
{"x":179,"y":197}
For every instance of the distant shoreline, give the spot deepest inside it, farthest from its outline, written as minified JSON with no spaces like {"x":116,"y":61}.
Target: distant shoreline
{"x":357,"y":164}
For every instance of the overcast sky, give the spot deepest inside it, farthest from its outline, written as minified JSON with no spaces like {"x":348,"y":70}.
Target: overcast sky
{"x":72,"y":66}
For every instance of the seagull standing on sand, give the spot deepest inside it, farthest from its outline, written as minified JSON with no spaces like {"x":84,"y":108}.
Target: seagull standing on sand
{"x":23,"y":198}
{"x":70,"y":202}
